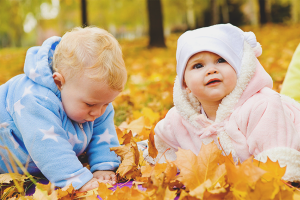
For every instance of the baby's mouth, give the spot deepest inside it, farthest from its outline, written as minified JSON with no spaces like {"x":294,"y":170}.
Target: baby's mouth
{"x":213,"y":81}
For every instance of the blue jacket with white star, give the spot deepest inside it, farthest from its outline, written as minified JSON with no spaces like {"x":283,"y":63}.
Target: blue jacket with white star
{"x":35,"y":130}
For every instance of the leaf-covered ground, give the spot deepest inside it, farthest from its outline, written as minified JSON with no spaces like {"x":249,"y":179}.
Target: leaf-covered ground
{"x":146,"y":99}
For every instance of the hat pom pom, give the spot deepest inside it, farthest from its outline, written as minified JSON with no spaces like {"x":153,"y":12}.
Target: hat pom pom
{"x":257,"y":50}
{"x":250,"y":38}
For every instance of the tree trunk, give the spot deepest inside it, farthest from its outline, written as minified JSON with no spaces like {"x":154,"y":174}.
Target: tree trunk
{"x":84,"y":13}
{"x":225,"y":12}
{"x":254,"y":13}
{"x":262,"y":11}
{"x":215,"y":12}
{"x":156,"y":32}
{"x":190,"y":15}
{"x":295,"y":11}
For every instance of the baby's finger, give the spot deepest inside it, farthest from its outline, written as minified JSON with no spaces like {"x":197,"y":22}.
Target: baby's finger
{"x":106,"y":177}
{"x":113,"y":177}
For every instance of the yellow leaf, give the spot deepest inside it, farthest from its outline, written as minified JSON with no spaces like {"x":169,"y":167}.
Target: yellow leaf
{"x":151,"y":144}
{"x":195,"y":170}
{"x":273,"y":169}
{"x":6,"y":178}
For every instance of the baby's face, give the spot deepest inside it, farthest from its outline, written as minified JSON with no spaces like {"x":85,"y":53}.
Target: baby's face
{"x":84,"y":99}
{"x":209,"y":77}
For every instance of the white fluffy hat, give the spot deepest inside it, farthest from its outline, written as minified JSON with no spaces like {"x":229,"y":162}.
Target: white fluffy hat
{"x":225,"y":40}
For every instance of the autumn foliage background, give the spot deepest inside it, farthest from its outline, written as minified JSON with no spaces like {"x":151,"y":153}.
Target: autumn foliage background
{"x":147,"y":98}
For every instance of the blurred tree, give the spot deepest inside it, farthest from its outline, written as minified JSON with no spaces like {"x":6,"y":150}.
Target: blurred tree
{"x":295,"y":12}
{"x":265,"y":11}
{"x":11,"y":29}
{"x":156,"y":32}
{"x":84,"y":18}
{"x":190,"y":14}
{"x":215,"y":14}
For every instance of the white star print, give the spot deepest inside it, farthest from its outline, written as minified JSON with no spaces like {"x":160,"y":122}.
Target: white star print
{"x":14,"y":141}
{"x":33,"y":75}
{"x":18,"y":107}
{"x":4,"y":125}
{"x":73,"y":139}
{"x":27,"y":90}
{"x":49,"y":134}
{"x":105,"y":137}
{"x":73,"y":179}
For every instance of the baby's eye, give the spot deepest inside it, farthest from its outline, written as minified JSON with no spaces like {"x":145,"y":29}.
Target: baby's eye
{"x":197,"y":66}
{"x":89,"y":105}
{"x":221,"y":60}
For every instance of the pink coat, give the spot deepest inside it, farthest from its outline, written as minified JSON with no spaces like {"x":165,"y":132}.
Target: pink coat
{"x":252,"y":120}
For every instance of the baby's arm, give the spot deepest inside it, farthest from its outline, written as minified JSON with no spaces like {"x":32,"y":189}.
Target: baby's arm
{"x":47,"y":143}
{"x":99,"y":176}
{"x":272,"y":132}
{"x":104,"y":137}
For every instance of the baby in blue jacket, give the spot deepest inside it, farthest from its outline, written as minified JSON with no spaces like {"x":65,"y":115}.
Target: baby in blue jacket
{"x":62,"y":107}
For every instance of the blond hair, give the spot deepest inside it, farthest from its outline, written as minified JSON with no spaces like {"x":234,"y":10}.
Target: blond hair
{"x":93,"y":52}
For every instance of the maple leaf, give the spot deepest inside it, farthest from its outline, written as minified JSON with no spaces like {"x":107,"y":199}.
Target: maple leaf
{"x":129,"y":160}
{"x":103,"y":191}
{"x":7,"y":178}
{"x":206,"y":191}
{"x":41,"y":194}
{"x":273,"y":169}
{"x":243,"y":175}
{"x":129,"y":193}
{"x":120,"y":135}
{"x":127,"y":138}
{"x":151,"y":144}
{"x":263,"y":190}
{"x":195,"y":170}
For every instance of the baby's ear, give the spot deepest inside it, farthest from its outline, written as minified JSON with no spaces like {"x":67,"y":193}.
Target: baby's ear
{"x":59,"y":80}
{"x":186,"y":87}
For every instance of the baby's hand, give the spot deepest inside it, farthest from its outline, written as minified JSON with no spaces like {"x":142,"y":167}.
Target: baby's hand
{"x":99,"y":176}
{"x":105,"y":176}
{"x":92,"y":184}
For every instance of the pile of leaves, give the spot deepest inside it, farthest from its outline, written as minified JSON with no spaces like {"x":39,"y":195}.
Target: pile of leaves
{"x":210,"y":175}
{"x":145,"y":100}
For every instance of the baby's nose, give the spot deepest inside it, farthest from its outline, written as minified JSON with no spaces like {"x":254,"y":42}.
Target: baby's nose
{"x":211,"y":71}
{"x":98,"y":111}
{"x":214,"y":72}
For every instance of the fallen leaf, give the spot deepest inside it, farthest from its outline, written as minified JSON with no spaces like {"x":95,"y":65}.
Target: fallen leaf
{"x":7,"y":178}
{"x":273,"y":169}
{"x":151,"y":144}
{"x":195,"y":170}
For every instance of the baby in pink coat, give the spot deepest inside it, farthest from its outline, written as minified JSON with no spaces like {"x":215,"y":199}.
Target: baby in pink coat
{"x":222,"y":91}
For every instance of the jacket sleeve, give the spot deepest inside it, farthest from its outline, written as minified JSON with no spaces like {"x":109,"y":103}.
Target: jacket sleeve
{"x":292,"y":78}
{"x":39,"y":121}
{"x":104,"y":137}
{"x":272,"y":132}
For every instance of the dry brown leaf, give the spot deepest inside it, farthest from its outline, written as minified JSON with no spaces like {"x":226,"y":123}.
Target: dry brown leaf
{"x":151,"y":144}
{"x":130,"y":159}
{"x":119,"y":134}
{"x":127,"y":137}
